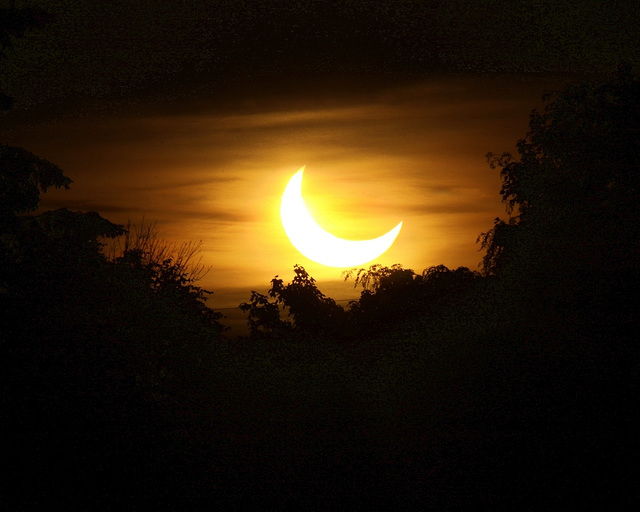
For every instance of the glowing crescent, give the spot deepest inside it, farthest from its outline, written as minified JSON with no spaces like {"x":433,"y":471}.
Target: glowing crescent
{"x":320,"y":245}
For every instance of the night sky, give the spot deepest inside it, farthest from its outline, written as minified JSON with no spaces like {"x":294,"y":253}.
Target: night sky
{"x":195,"y":114}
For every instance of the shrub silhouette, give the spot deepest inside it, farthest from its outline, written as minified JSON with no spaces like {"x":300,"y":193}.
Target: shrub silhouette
{"x":310,"y":310}
{"x":264,"y":316}
{"x":101,"y":346}
{"x":392,"y":295}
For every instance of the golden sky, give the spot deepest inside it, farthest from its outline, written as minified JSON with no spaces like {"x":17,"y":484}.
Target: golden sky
{"x":195,"y":115}
{"x":412,"y":153}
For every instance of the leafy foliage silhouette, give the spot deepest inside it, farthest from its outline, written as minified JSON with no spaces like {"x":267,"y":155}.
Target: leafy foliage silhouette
{"x":264,"y":316}
{"x":576,"y":180}
{"x":100,"y":349}
{"x":392,"y":295}
{"x":573,"y":198}
{"x":24,"y":177}
{"x":102,"y":345}
{"x":311,"y":311}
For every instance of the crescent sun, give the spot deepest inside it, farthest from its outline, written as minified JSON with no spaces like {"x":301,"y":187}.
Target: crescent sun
{"x":319,"y":245}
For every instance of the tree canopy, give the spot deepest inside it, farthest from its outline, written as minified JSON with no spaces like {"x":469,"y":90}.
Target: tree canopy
{"x":570,"y":245}
{"x":310,"y":310}
{"x":573,"y":192}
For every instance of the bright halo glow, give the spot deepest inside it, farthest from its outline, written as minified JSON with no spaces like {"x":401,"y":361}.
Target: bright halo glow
{"x":320,"y":245}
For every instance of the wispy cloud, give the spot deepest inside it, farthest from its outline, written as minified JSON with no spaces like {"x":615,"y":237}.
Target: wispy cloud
{"x":414,"y":153}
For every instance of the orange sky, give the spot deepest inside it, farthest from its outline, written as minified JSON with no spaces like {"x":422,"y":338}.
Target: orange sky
{"x":196,"y":114}
{"x":413,"y":153}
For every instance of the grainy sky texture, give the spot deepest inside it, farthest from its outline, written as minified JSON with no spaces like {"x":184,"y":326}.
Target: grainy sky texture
{"x":195,"y":114}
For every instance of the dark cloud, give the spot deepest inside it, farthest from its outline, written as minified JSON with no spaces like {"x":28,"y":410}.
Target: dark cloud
{"x":128,"y":207}
{"x":121,"y":48}
{"x":473,"y":205}
{"x":215,"y":215}
{"x":182,"y":183}
{"x":49,"y":203}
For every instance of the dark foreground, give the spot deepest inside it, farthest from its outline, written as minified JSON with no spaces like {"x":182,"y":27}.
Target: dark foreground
{"x":386,"y":424}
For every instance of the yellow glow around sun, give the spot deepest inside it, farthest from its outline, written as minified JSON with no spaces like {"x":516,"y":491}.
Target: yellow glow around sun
{"x":320,"y":245}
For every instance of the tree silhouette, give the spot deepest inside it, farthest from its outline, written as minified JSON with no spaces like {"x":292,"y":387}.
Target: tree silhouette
{"x":24,"y":176}
{"x":378,"y":276}
{"x":573,"y":200}
{"x":264,"y":316}
{"x":577,"y":175}
{"x":392,"y":295}
{"x":95,"y":344}
{"x":311,"y":311}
